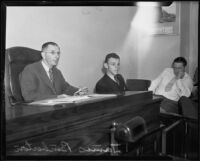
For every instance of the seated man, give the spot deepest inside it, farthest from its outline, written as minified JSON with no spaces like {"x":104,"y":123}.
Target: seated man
{"x":172,"y":84}
{"x":42,"y":80}
{"x":111,"y":82}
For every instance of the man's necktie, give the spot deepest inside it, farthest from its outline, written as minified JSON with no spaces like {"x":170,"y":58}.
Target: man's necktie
{"x":51,"y":75}
{"x":52,"y":79}
{"x":170,"y":85}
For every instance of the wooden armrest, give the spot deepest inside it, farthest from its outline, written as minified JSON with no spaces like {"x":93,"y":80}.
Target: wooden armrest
{"x":159,"y":129}
{"x":172,"y":126}
{"x":177,"y":116}
{"x":170,"y":114}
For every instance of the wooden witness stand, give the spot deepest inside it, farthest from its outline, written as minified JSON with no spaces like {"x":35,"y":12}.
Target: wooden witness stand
{"x":76,"y":129}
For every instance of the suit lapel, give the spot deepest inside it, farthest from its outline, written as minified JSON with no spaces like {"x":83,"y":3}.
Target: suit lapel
{"x":45,"y":77}
{"x":111,"y":82}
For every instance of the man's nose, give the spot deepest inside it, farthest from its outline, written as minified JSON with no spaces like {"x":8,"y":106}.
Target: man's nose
{"x":57,"y":55}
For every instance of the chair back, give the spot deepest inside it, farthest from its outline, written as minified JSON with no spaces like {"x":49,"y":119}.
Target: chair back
{"x":16,"y":59}
{"x":138,"y":84}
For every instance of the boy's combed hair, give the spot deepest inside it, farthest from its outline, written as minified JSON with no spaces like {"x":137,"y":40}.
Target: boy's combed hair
{"x":180,"y":60}
{"x":45,"y":45}
{"x":111,"y":55}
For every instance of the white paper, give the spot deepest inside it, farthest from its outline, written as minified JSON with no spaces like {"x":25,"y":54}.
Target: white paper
{"x":71,"y":99}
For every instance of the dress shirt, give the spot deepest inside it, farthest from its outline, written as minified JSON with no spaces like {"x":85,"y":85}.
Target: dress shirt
{"x":46,"y":68}
{"x":181,"y":87}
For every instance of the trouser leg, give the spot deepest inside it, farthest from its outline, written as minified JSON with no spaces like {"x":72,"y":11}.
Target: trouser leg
{"x":169,"y":106}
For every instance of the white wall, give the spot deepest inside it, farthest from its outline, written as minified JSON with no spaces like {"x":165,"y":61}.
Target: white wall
{"x":160,"y":55}
{"x":193,"y":45}
{"x":86,"y":35}
{"x":189,"y":34}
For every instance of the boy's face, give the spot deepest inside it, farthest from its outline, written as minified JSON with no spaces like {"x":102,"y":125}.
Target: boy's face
{"x":112,"y":66}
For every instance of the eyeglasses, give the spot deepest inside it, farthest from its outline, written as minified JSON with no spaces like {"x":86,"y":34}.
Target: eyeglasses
{"x":53,"y":52}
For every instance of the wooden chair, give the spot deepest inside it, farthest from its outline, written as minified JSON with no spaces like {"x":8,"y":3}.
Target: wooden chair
{"x":138,"y":84}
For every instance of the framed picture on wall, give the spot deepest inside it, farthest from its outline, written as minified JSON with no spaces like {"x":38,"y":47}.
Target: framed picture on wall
{"x":168,"y":21}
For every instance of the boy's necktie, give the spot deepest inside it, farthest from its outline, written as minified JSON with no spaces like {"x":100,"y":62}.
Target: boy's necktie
{"x":116,"y":79}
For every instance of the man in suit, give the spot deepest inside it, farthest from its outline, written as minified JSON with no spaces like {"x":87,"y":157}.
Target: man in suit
{"x":42,"y":80}
{"x":111,"y":82}
{"x":173,"y":83}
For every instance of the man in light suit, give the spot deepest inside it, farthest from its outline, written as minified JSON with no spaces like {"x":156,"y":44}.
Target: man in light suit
{"x":42,"y":80}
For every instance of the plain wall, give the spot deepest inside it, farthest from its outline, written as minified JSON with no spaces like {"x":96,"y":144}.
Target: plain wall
{"x":85,"y":35}
{"x":189,"y":34}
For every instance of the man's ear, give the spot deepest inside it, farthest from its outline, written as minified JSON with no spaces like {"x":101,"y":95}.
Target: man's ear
{"x":105,"y":65}
{"x":43,"y":54}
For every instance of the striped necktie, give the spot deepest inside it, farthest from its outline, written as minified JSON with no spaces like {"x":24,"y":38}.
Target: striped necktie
{"x":52,"y":79}
{"x":170,"y":85}
{"x":51,"y":75}
{"x":116,"y":79}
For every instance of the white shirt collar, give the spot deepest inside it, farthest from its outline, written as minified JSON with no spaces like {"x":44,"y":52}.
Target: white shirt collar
{"x":45,"y":66}
{"x":111,"y":77}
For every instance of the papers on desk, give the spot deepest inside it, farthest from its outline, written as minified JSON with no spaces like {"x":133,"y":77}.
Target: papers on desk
{"x":71,"y":99}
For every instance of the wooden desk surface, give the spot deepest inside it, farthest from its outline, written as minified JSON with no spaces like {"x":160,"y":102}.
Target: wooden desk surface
{"x":80,"y":124}
{"x":24,"y":110}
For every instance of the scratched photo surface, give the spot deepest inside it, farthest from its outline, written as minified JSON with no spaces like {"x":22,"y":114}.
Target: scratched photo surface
{"x":128,"y":124}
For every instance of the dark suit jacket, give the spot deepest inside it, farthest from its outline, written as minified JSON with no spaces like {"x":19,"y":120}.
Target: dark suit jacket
{"x":36,"y":85}
{"x":107,"y":85}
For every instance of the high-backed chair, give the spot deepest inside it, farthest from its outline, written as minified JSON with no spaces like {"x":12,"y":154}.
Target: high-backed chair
{"x":16,"y":59}
{"x":138,"y":84}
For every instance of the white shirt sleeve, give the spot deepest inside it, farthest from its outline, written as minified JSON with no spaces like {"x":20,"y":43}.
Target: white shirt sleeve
{"x":184,"y":86}
{"x":155,"y":83}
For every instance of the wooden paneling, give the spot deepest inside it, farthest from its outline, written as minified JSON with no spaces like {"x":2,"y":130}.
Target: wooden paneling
{"x":76,"y":129}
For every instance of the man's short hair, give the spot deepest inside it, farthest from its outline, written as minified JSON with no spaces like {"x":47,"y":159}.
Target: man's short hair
{"x":111,"y":55}
{"x":46,"y":44}
{"x":180,"y":60}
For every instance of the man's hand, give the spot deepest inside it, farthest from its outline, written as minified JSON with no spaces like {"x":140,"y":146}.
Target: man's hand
{"x":81,"y":91}
{"x":180,"y":75}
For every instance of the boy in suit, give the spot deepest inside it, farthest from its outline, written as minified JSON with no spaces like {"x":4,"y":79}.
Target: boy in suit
{"x":111,"y":82}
